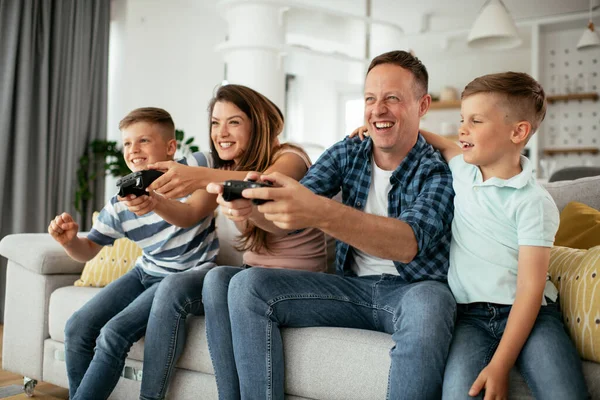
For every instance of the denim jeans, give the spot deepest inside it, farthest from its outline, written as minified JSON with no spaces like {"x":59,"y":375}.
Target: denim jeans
{"x":218,"y":330}
{"x":419,"y":316}
{"x":548,"y":362}
{"x":99,"y":335}
{"x":177,"y":296}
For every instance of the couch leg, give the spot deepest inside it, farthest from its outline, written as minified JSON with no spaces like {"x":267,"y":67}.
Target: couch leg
{"x":29,"y":386}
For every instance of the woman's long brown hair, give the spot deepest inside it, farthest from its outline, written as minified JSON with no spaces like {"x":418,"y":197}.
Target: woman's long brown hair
{"x":266,"y":123}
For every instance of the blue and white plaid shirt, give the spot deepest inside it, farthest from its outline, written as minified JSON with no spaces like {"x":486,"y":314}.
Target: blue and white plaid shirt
{"x":421,"y":195}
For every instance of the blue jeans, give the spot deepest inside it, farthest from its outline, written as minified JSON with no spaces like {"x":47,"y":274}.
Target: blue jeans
{"x":419,"y":316}
{"x":99,"y":335}
{"x":177,"y":296}
{"x":218,"y":330}
{"x":548,"y":362}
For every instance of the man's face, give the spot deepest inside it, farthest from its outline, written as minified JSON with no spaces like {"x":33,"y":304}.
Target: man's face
{"x":144,"y":143}
{"x":392,"y":110}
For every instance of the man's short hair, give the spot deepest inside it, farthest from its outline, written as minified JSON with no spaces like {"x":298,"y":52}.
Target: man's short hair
{"x":407,"y":61}
{"x":524,"y":96}
{"x":151,"y":115}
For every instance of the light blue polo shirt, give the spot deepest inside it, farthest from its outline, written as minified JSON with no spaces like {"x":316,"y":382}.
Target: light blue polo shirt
{"x":491,"y":220}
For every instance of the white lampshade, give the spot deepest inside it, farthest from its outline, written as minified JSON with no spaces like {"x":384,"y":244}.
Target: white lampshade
{"x":494,"y":28}
{"x":590,"y":38}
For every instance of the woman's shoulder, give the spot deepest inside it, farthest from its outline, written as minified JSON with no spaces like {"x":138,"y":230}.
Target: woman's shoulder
{"x":288,"y":148}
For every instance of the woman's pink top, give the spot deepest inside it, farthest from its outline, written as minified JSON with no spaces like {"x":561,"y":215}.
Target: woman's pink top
{"x":304,"y":250}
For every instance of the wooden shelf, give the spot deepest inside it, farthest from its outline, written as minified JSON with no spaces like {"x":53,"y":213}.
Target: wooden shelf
{"x":571,"y":150}
{"x":575,"y":96}
{"x":441,"y":105}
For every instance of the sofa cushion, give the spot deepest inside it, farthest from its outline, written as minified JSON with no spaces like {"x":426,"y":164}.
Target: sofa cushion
{"x":579,"y":227}
{"x":576,"y":274}
{"x":110,"y":263}
{"x":65,"y":301}
{"x":584,"y":190}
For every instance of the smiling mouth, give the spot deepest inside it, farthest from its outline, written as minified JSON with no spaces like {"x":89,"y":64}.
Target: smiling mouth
{"x":226,"y":145}
{"x":136,"y":161}
{"x":466,"y":145}
{"x":383,"y":125}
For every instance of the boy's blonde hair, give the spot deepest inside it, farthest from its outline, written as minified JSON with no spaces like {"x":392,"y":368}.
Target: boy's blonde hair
{"x":151,"y":115}
{"x":524,"y":96}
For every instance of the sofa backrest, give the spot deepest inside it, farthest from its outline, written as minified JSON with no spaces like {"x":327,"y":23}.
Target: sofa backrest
{"x":584,"y":190}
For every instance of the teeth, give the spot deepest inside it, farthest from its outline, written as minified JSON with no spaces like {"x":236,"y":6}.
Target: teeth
{"x":226,"y":145}
{"x":137,"y":160}
{"x":381,"y":125}
{"x":466,"y":145}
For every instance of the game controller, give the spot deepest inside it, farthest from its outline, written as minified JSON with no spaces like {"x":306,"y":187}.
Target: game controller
{"x":232,"y":190}
{"x":137,"y":182}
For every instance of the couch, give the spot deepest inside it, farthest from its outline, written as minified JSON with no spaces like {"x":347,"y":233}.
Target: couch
{"x":321,"y":363}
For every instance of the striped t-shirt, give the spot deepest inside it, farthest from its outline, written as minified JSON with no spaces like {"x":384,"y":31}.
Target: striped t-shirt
{"x":166,"y":248}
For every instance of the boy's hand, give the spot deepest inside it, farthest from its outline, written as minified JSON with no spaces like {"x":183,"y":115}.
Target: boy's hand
{"x":177,"y":181}
{"x":362,"y":132}
{"x":63,"y":229}
{"x":140,"y":205}
{"x":495,"y":381}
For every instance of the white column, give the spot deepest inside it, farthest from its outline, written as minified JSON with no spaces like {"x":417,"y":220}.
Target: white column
{"x":254,"y":49}
{"x":384,"y":38}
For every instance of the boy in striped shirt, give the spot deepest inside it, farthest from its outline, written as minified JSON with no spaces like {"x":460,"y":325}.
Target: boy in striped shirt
{"x":176,"y":236}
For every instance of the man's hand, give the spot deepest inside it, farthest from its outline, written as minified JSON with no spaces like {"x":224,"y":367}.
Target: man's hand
{"x":495,"y":381}
{"x":63,"y":229}
{"x":177,"y":181}
{"x":140,"y":205}
{"x":292,"y":207}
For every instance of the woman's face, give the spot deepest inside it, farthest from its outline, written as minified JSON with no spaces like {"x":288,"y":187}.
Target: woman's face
{"x":230,"y":131}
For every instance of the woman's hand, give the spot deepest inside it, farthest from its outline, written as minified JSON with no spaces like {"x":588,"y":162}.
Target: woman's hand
{"x":362,"y":132}
{"x":237,"y":210}
{"x":178,"y":180}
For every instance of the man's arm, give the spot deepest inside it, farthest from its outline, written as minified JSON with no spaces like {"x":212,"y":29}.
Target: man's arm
{"x":531,"y":281}
{"x":447,"y":147}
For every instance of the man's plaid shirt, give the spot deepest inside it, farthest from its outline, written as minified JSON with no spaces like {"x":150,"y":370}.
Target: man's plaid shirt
{"x":421,"y":195}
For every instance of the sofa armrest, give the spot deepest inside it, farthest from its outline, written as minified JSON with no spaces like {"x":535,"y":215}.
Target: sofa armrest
{"x":39,"y":253}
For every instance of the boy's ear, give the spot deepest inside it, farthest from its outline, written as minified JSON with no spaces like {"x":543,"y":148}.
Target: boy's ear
{"x":520,"y":132}
{"x":171,"y":147}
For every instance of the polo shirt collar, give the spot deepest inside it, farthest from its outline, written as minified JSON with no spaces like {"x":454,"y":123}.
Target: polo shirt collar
{"x":518,"y":181}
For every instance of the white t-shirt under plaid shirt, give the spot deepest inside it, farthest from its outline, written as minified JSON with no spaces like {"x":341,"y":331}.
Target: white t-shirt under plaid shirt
{"x":166,"y":248}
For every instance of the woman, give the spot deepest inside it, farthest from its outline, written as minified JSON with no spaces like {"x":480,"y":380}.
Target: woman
{"x":244,"y":126}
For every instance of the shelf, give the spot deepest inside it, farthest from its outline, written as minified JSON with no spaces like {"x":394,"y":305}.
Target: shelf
{"x":571,"y":150}
{"x":441,"y":105}
{"x":575,"y":96}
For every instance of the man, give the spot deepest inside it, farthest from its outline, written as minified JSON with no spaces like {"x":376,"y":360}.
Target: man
{"x":393,"y":232}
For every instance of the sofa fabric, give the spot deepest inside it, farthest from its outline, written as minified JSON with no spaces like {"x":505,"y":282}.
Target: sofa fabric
{"x":321,"y":363}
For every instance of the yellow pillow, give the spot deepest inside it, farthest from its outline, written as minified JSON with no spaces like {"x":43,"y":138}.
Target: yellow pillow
{"x":110,"y":263}
{"x":579,"y":227}
{"x":576,"y":274}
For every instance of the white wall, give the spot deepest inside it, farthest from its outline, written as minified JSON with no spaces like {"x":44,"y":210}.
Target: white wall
{"x":162,"y":54}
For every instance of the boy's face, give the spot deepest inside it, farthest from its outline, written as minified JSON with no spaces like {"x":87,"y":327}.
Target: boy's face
{"x":485,"y":131}
{"x":392,"y":109}
{"x":144,"y":143}
{"x":230,"y":131}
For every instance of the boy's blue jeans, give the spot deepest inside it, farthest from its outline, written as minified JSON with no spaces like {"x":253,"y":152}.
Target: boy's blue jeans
{"x":419,"y":316}
{"x":548,"y":362}
{"x":99,"y":335}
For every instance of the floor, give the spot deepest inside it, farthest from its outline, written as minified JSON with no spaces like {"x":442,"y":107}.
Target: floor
{"x":43,"y":390}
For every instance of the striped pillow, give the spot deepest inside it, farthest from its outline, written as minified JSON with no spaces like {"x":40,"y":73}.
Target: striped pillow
{"x":576,"y":274}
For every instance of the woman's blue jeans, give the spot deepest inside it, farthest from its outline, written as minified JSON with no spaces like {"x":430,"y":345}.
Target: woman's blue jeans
{"x":99,"y":335}
{"x":548,"y":362}
{"x":419,"y":316}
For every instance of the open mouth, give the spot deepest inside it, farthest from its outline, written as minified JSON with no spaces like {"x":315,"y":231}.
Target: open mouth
{"x":136,"y":161}
{"x":465,"y":145}
{"x":380,"y":125}
{"x":226,"y":145}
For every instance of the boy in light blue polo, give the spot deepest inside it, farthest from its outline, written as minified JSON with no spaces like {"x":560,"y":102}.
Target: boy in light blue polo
{"x":503,"y":229}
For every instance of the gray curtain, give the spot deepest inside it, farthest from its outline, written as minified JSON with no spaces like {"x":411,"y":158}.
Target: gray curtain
{"x":53,"y":95}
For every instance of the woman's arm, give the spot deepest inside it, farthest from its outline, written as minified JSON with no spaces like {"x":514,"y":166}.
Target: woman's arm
{"x":531,"y":281}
